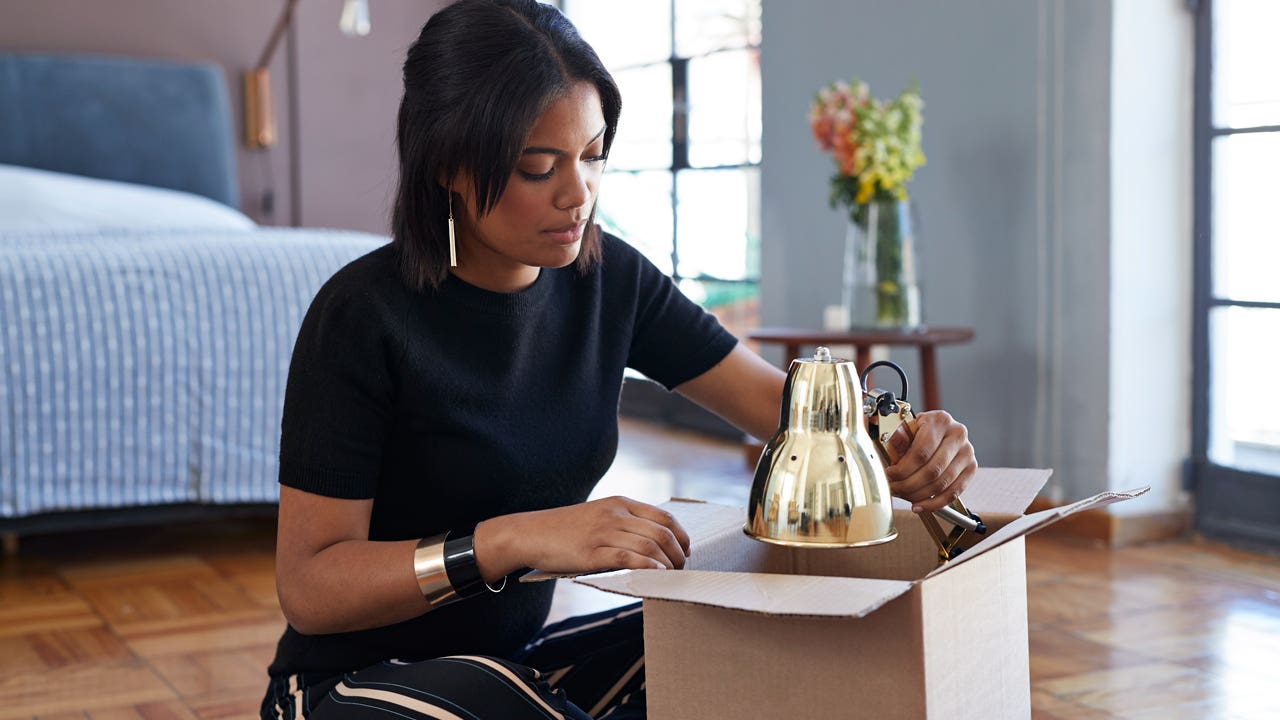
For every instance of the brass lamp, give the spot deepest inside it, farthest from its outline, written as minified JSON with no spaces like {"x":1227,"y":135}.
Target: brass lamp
{"x":820,"y":480}
{"x":259,"y":113}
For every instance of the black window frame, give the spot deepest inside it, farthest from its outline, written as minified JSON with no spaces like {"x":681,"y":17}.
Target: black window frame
{"x":1231,"y":504}
{"x":679,"y":65}
{"x":642,"y":398}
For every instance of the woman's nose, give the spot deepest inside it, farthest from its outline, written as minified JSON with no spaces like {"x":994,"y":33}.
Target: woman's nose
{"x":575,"y":190}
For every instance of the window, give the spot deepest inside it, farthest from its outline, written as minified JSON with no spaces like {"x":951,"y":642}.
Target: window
{"x":1237,"y":333}
{"x":683,"y":180}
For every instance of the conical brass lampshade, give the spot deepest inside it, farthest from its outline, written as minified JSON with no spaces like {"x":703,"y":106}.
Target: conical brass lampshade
{"x":819,"y":482}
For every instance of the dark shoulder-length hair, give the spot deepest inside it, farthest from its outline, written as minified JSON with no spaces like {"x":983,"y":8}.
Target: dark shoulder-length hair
{"x":476,"y":81}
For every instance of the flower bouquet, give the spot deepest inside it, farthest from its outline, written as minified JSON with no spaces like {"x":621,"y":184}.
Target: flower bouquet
{"x":876,"y":148}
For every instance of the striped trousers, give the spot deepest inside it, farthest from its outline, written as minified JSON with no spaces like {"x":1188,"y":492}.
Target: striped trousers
{"x":584,"y":668}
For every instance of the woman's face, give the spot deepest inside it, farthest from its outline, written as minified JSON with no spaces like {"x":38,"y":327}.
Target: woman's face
{"x":541,"y":216}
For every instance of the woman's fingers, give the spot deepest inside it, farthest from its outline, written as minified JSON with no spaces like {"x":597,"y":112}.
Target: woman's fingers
{"x":952,"y":491}
{"x":929,"y":429}
{"x":931,"y":477}
{"x":898,"y":443}
{"x":618,"y":558}
{"x":937,"y":465}
{"x":661,"y":517}
{"x":668,"y":548}
{"x":648,"y":546}
{"x":606,"y":534}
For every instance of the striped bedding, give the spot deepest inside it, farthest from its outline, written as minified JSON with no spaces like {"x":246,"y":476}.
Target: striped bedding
{"x":148,"y":367}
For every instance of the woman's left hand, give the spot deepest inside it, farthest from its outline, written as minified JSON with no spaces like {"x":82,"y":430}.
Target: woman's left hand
{"x":933,"y":467}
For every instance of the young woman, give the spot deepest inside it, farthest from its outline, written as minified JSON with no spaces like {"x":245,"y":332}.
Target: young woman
{"x":445,"y":422}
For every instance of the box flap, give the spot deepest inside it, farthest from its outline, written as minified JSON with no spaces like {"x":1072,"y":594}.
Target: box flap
{"x":1004,"y":491}
{"x":703,"y":521}
{"x":1035,"y":521}
{"x":999,"y":491}
{"x":755,"y":592}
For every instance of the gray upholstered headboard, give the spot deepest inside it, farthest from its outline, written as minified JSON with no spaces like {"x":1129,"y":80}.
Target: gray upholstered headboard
{"x":151,"y":122}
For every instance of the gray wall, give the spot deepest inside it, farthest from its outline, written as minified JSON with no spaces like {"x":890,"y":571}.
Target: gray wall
{"x":349,"y":88}
{"x":1012,"y":205}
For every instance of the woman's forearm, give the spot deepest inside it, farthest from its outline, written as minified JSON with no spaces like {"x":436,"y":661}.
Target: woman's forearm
{"x":352,"y":585}
{"x":361,"y":584}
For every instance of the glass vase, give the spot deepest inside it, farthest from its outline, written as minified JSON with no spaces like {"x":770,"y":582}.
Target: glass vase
{"x":881,"y":288}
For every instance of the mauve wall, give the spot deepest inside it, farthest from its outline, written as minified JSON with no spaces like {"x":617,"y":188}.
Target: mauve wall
{"x":348,"y":88}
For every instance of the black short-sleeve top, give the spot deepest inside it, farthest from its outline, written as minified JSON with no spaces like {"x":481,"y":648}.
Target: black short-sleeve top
{"x":451,"y":406}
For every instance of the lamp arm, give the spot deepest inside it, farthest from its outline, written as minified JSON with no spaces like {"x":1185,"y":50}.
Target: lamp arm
{"x":286,"y":17}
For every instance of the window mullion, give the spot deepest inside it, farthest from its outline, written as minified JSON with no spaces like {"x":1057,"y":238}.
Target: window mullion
{"x":680,"y":114}
{"x":679,"y":149}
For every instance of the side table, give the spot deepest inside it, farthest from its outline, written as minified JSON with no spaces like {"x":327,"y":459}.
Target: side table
{"x":926,"y":339}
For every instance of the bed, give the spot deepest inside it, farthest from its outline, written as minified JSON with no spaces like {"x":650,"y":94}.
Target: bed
{"x":146,"y":325}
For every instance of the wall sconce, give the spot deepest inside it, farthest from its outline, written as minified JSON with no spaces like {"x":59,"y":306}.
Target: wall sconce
{"x":259,"y":112}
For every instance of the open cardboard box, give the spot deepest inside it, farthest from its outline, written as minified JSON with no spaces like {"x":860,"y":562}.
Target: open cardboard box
{"x":752,"y":630}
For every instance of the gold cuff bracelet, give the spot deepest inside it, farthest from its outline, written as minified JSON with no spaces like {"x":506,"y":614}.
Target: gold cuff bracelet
{"x":428,"y":567}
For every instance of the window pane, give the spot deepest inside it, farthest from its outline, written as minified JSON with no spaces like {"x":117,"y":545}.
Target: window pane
{"x":1246,"y":221}
{"x":624,"y":33}
{"x":706,"y":25}
{"x":1244,"y":425}
{"x":718,"y":223}
{"x":637,"y":208}
{"x":724,"y":108}
{"x":1245,"y":63}
{"x":644,"y":130}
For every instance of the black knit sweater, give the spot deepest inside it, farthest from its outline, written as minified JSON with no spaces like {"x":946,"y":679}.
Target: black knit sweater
{"x":452,"y":406}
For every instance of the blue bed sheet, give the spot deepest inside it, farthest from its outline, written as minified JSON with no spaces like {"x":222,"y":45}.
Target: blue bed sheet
{"x":148,"y":368}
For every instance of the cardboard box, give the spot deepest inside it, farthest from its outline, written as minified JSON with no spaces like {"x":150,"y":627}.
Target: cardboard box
{"x":752,"y":630}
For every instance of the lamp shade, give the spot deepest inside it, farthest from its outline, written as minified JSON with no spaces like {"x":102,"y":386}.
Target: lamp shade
{"x":819,"y":482}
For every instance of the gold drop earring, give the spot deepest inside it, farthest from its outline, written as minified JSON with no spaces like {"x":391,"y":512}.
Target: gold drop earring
{"x":453,"y":251}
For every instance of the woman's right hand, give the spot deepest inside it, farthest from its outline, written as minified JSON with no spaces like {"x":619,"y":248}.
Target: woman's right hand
{"x":612,"y":533}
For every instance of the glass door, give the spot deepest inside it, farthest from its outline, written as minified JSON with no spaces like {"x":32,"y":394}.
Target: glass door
{"x":683,"y":180}
{"x":1236,"y":403}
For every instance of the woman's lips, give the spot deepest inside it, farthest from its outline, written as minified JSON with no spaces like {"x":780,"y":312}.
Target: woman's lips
{"x":568,"y":234}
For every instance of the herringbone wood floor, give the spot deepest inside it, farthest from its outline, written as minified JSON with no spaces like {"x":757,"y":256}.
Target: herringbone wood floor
{"x":179,"y":622}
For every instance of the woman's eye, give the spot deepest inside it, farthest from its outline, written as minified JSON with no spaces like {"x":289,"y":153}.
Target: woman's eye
{"x":536,"y":176}
{"x":533,"y":175}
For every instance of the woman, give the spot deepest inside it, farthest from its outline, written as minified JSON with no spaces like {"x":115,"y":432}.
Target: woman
{"x":479,"y":399}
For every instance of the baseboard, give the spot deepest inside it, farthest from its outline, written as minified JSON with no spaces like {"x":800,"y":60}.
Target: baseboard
{"x":1116,"y":530}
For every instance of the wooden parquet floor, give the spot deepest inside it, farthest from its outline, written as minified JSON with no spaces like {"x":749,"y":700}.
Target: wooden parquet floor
{"x":180,"y":622}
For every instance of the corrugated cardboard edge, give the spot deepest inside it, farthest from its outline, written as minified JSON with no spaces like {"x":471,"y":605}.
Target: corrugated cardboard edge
{"x":1036,"y":521}
{"x":703,"y":521}
{"x":759,"y":593}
